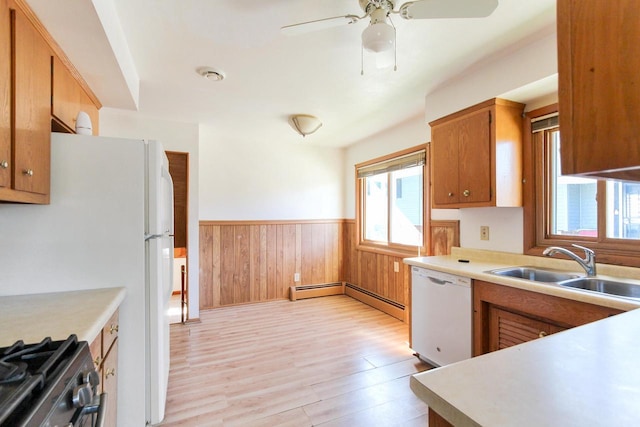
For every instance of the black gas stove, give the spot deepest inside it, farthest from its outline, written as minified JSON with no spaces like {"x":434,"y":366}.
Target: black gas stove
{"x":51,"y":383}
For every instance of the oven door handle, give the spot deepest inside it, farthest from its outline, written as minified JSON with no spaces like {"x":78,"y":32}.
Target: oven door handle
{"x":102,"y":410}
{"x":99,"y":408}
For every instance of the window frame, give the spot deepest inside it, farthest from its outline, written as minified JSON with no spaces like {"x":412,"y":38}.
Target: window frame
{"x":536,"y":208}
{"x":390,"y":248}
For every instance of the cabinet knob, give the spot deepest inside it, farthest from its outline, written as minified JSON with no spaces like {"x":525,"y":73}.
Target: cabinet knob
{"x":542,"y":334}
{"x":97,"y":361}
{"x":4,"y":164}
{"x":110,"y":372}
{"x":450,"y":194}
{"x":113,"y":328}
{"x":466,"y":193}
{"x":28,"y":172}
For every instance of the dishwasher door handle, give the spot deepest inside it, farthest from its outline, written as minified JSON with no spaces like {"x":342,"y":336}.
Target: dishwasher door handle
{"x":438,"y":281}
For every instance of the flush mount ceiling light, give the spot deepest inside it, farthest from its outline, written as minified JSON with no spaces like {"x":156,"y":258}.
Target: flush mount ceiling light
{"x":211,"y":74}
{"x":304,"y":124}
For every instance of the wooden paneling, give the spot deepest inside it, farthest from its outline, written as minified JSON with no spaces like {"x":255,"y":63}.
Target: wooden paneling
{"x":179,"y":170}
{"x":256,"y":261}
{"x":246,"y":262}
{"x":444,"y":235}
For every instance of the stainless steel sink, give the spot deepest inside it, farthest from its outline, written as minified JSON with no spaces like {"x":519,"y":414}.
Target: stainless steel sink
{"x":628,"y":290}
{"x":535,"y":273}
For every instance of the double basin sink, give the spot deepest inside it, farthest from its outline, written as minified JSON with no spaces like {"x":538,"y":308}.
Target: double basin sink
{"x":571,"y":280}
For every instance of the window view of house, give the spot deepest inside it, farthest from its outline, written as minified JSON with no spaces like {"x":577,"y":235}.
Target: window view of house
{"x":574,"y":205}
{"x":623,"y":206}
{"x":573,"y":200}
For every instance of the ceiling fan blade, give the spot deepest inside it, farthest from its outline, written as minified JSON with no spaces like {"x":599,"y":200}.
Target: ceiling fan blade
{"x":319,"y":24}
{"x":435,"y":9}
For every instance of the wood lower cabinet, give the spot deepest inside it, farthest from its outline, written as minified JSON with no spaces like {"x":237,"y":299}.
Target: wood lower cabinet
{"x":104,"y":350}
{"x":507,"y":328}
{"x":110,"y":384}
{"x":599,"y":88}
{"x":504,"y":316}
{"x":476,"y":156}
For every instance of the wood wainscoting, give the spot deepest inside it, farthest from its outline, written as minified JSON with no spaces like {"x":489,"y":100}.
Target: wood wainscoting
{"x":254,"y":261}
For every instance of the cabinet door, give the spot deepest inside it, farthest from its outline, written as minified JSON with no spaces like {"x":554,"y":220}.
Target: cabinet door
{"x":444,"y":163}
{"x":32,"y":146}
{"x":69,"y":98}
{"x":507,"y":329}
{"x":474,"y":157}
{"x":110,"y":384}
{"x":5,"y":94}
{"x":599,"y":87}
{"x":66,"y":95}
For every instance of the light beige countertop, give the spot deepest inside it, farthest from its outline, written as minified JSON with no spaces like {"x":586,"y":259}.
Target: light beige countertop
{"x":481,"y":261}
{"x":584,"y":376}
{"x":57,"y":315}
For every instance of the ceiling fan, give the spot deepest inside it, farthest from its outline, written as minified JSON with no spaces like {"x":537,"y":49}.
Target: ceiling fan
{"x":380,"y":34}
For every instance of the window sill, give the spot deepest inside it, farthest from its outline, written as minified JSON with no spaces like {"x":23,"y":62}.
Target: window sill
{"x":397,"y":252}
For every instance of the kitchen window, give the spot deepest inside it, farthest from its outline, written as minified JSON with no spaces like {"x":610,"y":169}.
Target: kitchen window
{"x":603,"y":215}
{"x":390,"y":202}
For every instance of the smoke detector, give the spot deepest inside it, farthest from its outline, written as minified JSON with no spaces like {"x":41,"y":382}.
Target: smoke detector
{"x":211,"y":74}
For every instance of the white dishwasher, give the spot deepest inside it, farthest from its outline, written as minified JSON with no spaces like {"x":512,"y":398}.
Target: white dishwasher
{"x":440,"y":316}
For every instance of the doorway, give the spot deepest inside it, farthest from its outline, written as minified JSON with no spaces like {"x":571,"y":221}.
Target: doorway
{"x":179,"y":170}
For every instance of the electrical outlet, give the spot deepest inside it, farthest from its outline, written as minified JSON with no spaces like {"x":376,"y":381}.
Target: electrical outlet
{"x":396,"y":266}
{"x":484,"y":232}
{"x":296,"y":277}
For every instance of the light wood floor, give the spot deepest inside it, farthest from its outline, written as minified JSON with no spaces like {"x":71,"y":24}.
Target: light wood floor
{"x":329,"y":361}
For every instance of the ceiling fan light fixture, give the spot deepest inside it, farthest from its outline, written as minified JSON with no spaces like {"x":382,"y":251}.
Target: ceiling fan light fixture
{"x":304,"y":124}
{"x":379,"y":37}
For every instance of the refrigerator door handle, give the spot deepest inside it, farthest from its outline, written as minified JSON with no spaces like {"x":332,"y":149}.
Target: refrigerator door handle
{"x":152,"y":236}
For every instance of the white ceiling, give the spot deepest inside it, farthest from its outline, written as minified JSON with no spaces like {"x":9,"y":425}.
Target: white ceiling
{"x":155,"y":46}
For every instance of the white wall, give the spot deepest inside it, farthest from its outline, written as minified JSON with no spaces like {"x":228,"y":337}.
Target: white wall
{"x":268,"y":180}
{"x":175,"y":136}
{"x":518,"y":67}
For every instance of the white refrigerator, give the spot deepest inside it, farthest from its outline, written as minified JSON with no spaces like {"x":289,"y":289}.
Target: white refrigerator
{"x":109,"y":224}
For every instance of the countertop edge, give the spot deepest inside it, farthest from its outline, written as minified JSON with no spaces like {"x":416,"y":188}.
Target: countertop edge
{"x":477,"y":269}
{"x":33,"y":317}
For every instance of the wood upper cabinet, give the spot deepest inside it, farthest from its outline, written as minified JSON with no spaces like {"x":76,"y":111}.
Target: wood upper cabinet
{"x":69,"y":98}
{"x":30,"y":112}
{"x":599,"y":87}
{"x":504,"y":316}
{"x":476,"y":156}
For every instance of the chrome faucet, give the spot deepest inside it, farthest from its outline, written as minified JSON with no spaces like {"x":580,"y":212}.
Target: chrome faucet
{"x":588,"y":263}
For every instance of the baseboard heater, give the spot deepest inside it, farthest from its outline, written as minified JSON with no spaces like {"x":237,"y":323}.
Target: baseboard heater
{"x":312,"y":291}
{"x":376,"y":301}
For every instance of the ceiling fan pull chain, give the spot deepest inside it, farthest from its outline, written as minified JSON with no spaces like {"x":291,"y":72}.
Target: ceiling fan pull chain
{"x":362,"y":59}
{"x":395,"y":46}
